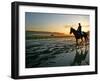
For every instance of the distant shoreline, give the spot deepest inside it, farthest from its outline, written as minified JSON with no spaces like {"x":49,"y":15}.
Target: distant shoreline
{"x":44,"y":35}
{"x":46,"y":32}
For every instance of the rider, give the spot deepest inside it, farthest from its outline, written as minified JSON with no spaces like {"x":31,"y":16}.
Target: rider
{"x":79,"y":28}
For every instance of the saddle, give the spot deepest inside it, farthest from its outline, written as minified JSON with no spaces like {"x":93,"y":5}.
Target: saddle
{"x":80,"y":33}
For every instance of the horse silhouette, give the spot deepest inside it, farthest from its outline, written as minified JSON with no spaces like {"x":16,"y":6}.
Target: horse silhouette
{"x":78,"y":35}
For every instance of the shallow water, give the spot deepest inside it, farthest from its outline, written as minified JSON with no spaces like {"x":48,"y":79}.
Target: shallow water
{"x":54,"y":52}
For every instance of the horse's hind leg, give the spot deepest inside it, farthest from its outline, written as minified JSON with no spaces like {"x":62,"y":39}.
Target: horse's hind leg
{"x":86,"y":40}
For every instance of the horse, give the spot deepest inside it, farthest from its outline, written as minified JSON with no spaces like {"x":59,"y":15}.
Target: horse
{"x":78,"y":35}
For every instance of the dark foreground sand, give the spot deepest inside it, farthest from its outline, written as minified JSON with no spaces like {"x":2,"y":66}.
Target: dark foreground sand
{"x":55,"y":52}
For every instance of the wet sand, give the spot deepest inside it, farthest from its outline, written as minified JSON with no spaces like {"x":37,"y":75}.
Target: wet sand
{"x":54,"y":52}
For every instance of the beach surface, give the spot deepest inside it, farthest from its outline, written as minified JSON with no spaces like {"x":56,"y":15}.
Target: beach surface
{"x":54,"y":52}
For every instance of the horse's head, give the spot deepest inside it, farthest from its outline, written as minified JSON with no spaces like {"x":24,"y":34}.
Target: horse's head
{"x":71,"y":30}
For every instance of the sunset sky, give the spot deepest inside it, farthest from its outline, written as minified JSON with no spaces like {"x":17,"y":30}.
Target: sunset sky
{"x":51,"y":22}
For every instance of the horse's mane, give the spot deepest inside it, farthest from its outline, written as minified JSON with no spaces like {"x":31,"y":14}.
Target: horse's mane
{"x":73,"y":29}
{"x":81,"y":31}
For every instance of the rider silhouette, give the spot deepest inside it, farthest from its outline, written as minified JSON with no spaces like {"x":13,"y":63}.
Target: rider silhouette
{"x":79,"y":28}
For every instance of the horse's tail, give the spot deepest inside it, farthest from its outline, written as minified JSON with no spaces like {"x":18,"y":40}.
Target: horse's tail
{"x":86,"y":35}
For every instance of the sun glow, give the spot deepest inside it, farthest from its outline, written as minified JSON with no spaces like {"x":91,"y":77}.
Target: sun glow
{"x":60,"y":23}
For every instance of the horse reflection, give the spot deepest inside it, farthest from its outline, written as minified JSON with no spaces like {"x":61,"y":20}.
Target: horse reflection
{"x":80,"y":56}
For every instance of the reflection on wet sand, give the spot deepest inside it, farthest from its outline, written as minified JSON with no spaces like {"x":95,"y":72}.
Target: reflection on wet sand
{"x":80,"y":56}
{"x":55,"y":52}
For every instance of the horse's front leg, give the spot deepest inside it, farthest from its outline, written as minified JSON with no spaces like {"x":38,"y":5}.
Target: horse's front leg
{"x":82,"y":41}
